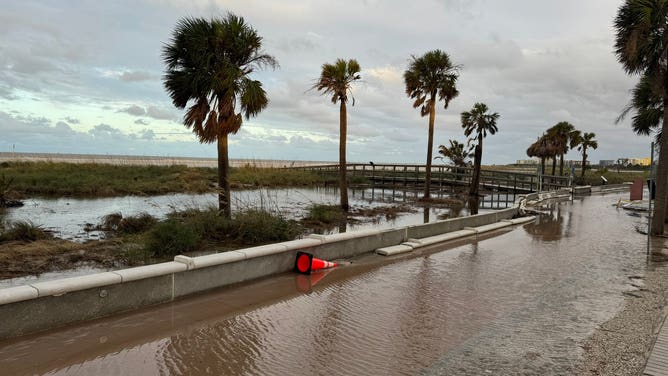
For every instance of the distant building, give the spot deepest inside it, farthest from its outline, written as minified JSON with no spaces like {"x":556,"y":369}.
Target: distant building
{"x":606,"y":162}
{"x":633,"y":161}
{"x":531,"y":161}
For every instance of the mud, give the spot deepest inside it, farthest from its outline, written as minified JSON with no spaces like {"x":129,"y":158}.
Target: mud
{"x":19,"y":259}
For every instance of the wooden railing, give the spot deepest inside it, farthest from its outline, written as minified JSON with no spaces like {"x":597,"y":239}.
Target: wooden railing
{"x":444,"y":175}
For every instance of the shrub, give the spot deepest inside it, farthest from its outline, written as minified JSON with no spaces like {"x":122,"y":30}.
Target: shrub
{"x":23,"y":231}
{"x":327,"y":214}
{"x":259,"y":226}
{"x":171,"y":238}
{"x":136,"y":224}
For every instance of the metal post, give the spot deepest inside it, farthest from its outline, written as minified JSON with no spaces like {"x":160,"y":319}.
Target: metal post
{"x":649,"y":208}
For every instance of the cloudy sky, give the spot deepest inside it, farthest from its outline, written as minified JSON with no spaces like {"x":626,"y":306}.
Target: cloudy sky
{"x":85,"y":76}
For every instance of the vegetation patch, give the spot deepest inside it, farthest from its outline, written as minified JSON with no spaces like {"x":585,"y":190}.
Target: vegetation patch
{"x":127,"y":225}
{"x":324,"y":214}
{"x":24,"y":231}
{"x":387,"y":212}
{"x":102,"y":180}
{"x":193,"y":229}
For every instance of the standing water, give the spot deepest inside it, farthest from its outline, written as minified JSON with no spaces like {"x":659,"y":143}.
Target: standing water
{"x":75,"y":218}
{"x":519,"y":301}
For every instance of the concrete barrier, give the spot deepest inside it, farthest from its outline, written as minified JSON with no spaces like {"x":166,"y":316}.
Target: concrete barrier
{"x":44,"y":305}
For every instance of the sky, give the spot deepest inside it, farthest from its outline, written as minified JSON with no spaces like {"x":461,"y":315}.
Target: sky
{"x":86,"y":76}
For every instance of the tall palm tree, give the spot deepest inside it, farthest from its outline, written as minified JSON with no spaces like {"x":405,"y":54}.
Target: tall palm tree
{"x":561,"y":133}
{"x":478,"y":122}
{"x":208,"y":64}
{"x":457,"y":154}
{"x":583,"y":142}
{"x":430,"y":77}
{"x":641,"y":46}
{"x":336,"y":80}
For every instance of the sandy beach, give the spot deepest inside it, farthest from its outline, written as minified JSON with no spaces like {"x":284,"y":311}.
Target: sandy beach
{"x":145,"y":160}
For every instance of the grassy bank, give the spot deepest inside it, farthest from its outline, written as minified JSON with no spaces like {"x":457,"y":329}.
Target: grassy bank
{"x":613,"y":177}
{"x":26,"y":249}
{"x":100,"y":180}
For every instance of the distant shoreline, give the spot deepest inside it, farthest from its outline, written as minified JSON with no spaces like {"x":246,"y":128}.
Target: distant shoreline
{"x":147,"y":160}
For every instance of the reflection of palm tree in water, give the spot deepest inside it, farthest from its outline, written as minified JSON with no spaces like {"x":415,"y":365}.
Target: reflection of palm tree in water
{"x":547,"y":227}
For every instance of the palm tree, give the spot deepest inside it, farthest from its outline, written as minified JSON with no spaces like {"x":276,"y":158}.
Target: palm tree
{"x":647,"y":103}
{"x":478,"y":122}
{"x":641,"y":46}
{"x":561,"y":133}
{"x":429,"y":76}
{"x":543,"y":148}
{"x":457,"y":155}
{"x":208,"y":64}
{"x":583,"y":142}
{"x":336,"y":80}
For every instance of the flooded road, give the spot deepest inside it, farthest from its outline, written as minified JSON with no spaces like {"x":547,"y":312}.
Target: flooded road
{"x":519,"y":301}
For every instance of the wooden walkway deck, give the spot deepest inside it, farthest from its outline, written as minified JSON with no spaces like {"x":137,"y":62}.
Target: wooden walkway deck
{"x":657,"y":364}
{"x":414,"y":175}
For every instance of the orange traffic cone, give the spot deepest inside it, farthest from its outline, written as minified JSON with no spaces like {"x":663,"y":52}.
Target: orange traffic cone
{"x":306,"y":263}
{"x":305,"y":283}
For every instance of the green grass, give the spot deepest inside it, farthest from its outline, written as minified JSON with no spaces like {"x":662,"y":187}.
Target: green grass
{"x":193,"y":229}
{"x":24,"y":231}
{"x":613,"y":177}
{"x":101,"y":180}
{"x":326,"y":214}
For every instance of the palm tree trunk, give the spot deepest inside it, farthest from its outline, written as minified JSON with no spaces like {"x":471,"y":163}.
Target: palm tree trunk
{"x":542,"y":170}
{"x":554,"y":164}
{"x":430,"y":145}
{"x":662,"y":170}
{"x":224,"y":205}
{"x":475,"y":180}
{"x":584,"y":161}
{"x":561,"y":165}
{"x":343,"y":129}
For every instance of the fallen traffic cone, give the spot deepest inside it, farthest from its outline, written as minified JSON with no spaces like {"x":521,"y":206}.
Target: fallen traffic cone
{"x":306,"y":263}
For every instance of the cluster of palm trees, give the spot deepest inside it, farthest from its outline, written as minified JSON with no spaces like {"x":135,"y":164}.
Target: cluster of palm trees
{"x":208,"y":67}
{"x":556,"y":142}
{"x":209,"y":63}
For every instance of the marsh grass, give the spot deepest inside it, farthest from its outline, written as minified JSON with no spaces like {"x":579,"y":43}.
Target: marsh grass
{"x":24,"y":231}
{"x":614,"y":177}
{"x":103,"y":180}
{"x":325,"y":214}
{"x":194,"y":229}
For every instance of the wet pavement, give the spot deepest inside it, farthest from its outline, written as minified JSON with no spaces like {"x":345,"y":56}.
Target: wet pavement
{"x":519,"y":301}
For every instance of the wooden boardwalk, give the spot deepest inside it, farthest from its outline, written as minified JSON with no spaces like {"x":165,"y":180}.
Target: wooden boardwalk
{"x":657,"y":364}
{"x":444,"y":175}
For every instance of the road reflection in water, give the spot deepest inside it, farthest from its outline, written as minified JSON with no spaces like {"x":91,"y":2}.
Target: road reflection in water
{"x":476,"y":305}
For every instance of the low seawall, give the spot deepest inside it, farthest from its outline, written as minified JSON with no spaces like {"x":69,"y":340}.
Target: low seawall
{"x":45,"y":305}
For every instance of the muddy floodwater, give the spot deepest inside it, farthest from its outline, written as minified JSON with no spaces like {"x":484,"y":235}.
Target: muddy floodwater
{"x":519,"y":301}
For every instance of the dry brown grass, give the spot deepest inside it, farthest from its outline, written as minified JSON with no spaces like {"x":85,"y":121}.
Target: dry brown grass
{"x":19,"y":259}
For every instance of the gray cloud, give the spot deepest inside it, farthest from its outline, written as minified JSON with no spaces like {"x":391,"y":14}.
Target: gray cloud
{"x":134,"y":110}
{"x":534,"y":62}
{"x":72,"y":120}
{"x":161,"y":113}
{"x":135,"y":76}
